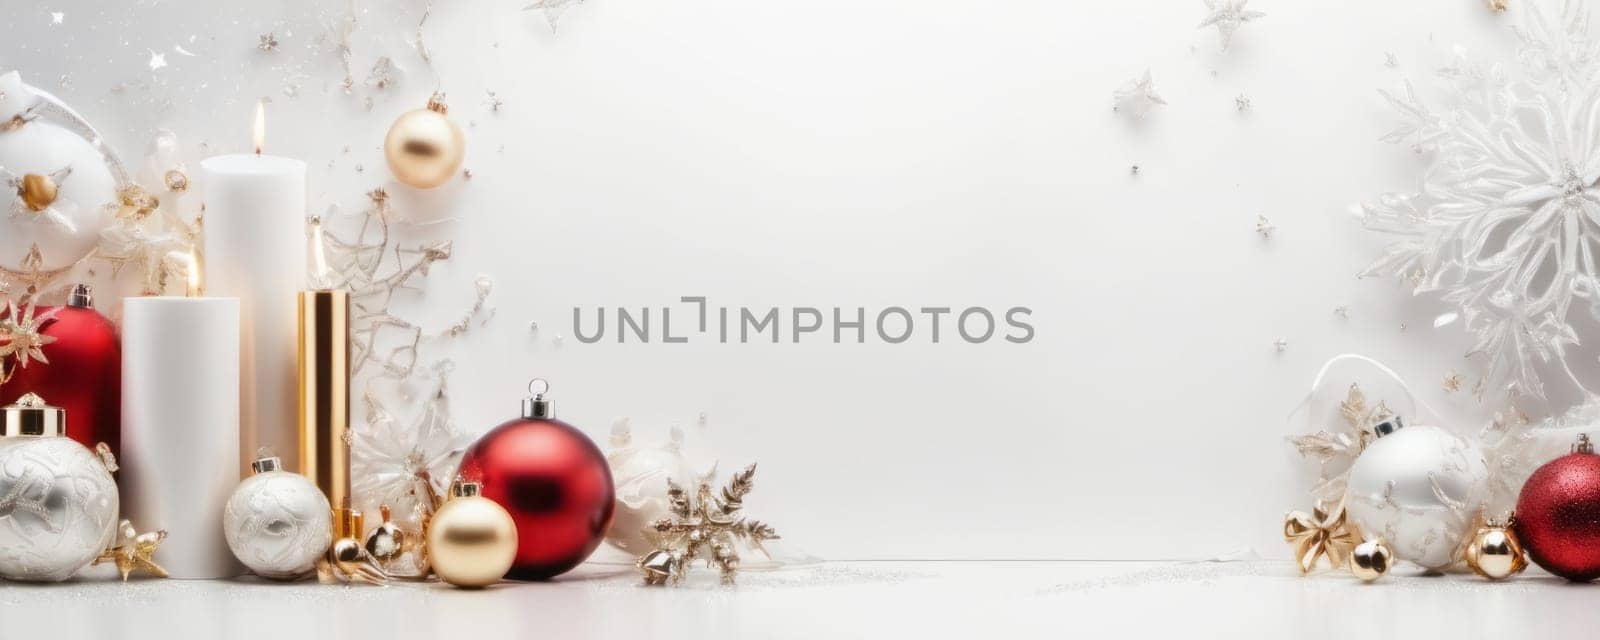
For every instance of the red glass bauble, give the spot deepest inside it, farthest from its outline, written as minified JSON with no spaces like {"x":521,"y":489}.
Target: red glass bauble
{"x":1558,"y":515}
{"x":555,"y":483}
{"x":83,"y":374}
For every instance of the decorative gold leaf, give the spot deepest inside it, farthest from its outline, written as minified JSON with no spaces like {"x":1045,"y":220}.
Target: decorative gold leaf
{"x":738,"y":486}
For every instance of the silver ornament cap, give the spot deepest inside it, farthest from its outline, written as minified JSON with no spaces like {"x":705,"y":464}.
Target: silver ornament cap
{"x":536,"y":406}
{"x":1388,"y":425}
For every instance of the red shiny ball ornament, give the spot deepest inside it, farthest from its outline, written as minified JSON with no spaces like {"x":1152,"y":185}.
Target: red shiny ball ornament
{"x":83,"y":375}
{"x":1558,"y":515}
{"x":553,"y":481}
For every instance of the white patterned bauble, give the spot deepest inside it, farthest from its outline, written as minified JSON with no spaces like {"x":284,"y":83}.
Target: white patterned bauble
{"x":57,"y":190}
{"x":1418,"y":488}
{"x":58,"y":503}
{"x":277,"y":523}
{"x":640,"y":475}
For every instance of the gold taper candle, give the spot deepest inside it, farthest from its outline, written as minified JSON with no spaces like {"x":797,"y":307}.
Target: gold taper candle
{"x":325,"y":392}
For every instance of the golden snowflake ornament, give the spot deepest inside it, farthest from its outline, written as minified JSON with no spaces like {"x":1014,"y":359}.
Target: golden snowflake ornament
{"x":704,"y":527}
{"x":21,"y":339}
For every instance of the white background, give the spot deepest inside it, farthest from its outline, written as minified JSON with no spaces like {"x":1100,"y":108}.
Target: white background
{"x":871,"y":153}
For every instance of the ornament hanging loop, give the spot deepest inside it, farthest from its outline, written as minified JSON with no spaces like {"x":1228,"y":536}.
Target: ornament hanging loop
{"x":536,"y":406}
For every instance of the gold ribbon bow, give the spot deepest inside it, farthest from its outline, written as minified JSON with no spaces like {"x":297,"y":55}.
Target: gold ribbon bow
{"x":1325,"y":532}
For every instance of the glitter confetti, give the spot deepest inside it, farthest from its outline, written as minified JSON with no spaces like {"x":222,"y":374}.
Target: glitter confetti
{"x":1242,"y":102}
{"x":56,"y":17}
{"x":268,"y":43}
{"x":1265,"y":227}
{"x":157,"y":60}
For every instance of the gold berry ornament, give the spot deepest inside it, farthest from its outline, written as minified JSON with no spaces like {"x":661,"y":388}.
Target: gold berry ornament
{"x":471,"y":540}
{"x":1371,"y":559}
{"x":38,"y":191}
{"x":425,"y":148}
{"x":1495,"y":553}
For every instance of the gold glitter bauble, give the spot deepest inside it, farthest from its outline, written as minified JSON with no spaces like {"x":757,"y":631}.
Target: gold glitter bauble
{"x":425,"y":148}
{"x":38,"y":191}
{"x":471,"y":540}
{"x":1370,"y":560}
{"x":1495,"y":553}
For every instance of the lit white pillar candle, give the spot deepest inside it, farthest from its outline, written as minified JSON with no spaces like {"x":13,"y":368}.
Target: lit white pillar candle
{"x":180,"y":426}
{"x":255,"y":215}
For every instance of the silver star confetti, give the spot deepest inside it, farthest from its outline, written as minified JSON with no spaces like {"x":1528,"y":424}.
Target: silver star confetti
{"x":553,"y":9}
{"x":1265,"y":227}
{"x":1390,"y":60}
{"x":1242,"y":102}
{"x":1137,"y":96}
{"x":494,"y":102}
{"x":1280,"y":345}
{"x":1227,"y":16}
{"x":56,"y":17}
{"x":268,"y":43}
{"x":157,"y":60}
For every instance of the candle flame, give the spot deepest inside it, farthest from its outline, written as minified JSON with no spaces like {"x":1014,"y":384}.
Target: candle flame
{"x":261,"y":126}
{"x":197,"y":279}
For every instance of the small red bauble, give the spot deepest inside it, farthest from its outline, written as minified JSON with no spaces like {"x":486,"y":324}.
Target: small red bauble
{"x":553,"y":481}
{"x":1558,"y":514}
{"x":84,"y":372}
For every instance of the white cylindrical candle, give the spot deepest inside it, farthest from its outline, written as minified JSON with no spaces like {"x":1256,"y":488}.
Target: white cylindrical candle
{"x":255,"y":216}
{"x":180,"y":426}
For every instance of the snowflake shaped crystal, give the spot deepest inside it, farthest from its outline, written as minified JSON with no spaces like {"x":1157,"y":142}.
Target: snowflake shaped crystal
{"x":1506,"y":223}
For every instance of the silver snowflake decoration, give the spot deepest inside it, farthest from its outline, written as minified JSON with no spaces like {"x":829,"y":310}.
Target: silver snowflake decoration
{"x":1506,"y":221}
{"x":1227,"y":16}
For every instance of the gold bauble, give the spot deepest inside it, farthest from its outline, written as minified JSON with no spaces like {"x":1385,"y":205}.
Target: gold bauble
{"x":1371,"y":559}
{"x":425,"y":148}
{"x":1495,"y":553}
{"x":38,"y":191}
{"x":471,"y":540}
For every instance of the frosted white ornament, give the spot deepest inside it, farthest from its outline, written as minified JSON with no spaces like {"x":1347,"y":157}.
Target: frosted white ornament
{"x":58,"y":503}
{"x":57,"y":188}
{"x":640,"y":475}
{"x":277,"y":523}
{"x":1417,"y":487}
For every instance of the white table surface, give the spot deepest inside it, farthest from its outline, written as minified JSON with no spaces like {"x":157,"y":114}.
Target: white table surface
{"x":831,"y":600}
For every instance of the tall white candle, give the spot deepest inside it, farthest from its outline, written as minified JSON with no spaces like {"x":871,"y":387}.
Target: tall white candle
{"x":180,"y":426}
{"x":255,"y":216}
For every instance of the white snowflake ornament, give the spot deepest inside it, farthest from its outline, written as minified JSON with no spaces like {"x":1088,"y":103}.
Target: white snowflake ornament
{"x":1506,"y":222}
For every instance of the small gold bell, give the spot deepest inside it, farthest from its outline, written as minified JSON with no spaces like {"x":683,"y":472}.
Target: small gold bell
{"x":386,"y":542}
{"x":1371,"y":559}
{"x":38,"y":191}
{"x":1495,"y":553}
{"x":657,"y":567}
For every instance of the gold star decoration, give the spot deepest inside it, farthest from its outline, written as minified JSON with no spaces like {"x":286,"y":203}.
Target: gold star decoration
{"x":135,"y":551}
{"x":20,"y":337}
{"x":704,"y":527}
{"x":1324,"y":532}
